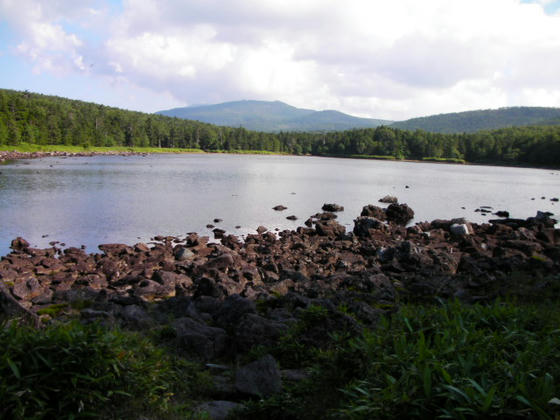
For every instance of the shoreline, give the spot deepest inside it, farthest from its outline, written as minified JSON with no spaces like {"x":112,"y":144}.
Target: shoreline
{"x":76,"y":151}
{"x":320,"y":258}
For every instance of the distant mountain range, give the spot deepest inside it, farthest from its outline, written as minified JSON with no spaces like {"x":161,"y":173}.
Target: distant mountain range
{"x":489,"y":119}
{"x":272,"y":117}
{"x":278,"y":116}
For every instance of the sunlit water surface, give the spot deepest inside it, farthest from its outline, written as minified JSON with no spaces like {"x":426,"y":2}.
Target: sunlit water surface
{"x":104,"y":199}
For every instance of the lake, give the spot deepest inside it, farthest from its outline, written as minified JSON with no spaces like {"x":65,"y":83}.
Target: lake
{"x":104,"y":199}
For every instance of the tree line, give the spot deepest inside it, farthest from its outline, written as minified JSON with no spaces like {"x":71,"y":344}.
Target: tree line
{"x":40,"y":119}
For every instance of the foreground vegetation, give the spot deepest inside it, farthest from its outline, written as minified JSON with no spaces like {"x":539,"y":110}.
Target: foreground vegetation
{"x":46,"y":120}
{"x":447,"y":360}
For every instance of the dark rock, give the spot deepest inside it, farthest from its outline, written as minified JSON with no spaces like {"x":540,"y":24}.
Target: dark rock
{"x":199,"y":339}
{"x":218,"y":220}
{"x":292,"y":217}
{"x":332,"y":207}
{"x":218,"y":233}
{"x":232,"y":310}
{"x":19,"y":244}
{"x":260,"y":378}
{"x":363,"y":224}
{"x":373,"y":211}
{"x":261,"y":230}
{"x":136,"y":317}
{"x":399,"y":213}
{"x":502,"y":213}
{"x":217,"y":410}
{"x":279,"y":207}
{"x":389,"y":199}
{"x":254,"y":329}
{"x":10,"y":308}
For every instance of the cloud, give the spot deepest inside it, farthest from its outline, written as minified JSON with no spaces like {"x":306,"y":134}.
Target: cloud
{"x":378,"y":58}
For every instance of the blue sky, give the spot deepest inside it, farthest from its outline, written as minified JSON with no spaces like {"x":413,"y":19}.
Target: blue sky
{"x":377,"y":58}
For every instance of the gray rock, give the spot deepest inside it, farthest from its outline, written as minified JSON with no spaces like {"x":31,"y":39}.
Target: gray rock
{"x":184,"y":254}
{"x":459,"y":229}
{"x":218,"y":410}
{"x":136,"y":317}
{"x":260,"y":378}
{"x":199,"y":339}
{"x":232,"y":309}
{"x":253,"y":329}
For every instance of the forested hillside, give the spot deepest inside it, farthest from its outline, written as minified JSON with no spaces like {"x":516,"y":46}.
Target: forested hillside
{"x":488,"y":119}
{"x":34,"y":118}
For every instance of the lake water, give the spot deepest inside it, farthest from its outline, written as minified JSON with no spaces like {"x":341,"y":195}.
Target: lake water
{"x":102,"y":199}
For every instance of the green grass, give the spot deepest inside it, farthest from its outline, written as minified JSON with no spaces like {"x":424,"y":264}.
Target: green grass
{"x":68,"y":371}
{"x":444,"y":160}
{"x":29,"y":148}
{"x":449,"y":360}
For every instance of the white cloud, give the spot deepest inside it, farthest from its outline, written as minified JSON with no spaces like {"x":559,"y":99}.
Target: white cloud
{"x":379,"y":58}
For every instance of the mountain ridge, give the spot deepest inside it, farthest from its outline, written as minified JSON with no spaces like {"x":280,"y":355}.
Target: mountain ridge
{"x":272,"y":116}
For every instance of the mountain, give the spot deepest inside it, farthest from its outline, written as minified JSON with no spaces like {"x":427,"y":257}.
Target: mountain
{"x":271,"y":116}
{"x":488,"y":119}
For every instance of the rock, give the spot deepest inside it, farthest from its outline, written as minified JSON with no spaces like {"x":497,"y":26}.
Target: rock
{"x":389,"y":199}
{"x":254,"y":329}
{"x":279,"y":207}
{"x":332,"y":207}
{"x":502,"y":213}
{"x":260,"y":378}
{"x":233,"y":309}
{"x":10,"y":308}
{"x":216,"y":220}
{"x":136,"y":317}
{"x":183,"y":254}
{"x":373,"y":211}
{"x":149,"y":290}
{"x":363,"y":224}
{"x":555,"y":199}
{"x":261,"y":230}
{"x":27,"y":288}
{"x":217,"y":410}
{"x":399,"y":213}
{"x":218,"y":233}
{"x":292,"y":217}
{"x":19,"y":244}
{"x":460,"y":229}
{"x":199,"y":339}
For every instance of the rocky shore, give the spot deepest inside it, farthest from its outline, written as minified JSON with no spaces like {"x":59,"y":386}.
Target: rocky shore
{"x":381,"y":262}
{"x":13,"y":155}
{"x":220,"y":300}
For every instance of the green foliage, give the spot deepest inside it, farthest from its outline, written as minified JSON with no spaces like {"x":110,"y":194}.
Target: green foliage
{"x":445,"y":361}
{"x":49,"y":122}
{"x":71,"y":371}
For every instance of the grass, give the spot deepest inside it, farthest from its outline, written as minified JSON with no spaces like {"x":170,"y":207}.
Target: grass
{"x":449,"y":360}
{"x":70,"y":371}
{"x":30,"y":148}
{"x":446,"y":360}
{"x":444,"y":160}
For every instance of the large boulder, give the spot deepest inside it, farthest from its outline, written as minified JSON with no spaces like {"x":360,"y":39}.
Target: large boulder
{"x":363,"y":224}
{"x":373,"y":211}
{"x":260,"y":378}
{"x":400,"y":214}
{"x":199,"y":339}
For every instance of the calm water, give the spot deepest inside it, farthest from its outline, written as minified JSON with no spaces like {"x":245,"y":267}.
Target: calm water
{"x":94,"y":200}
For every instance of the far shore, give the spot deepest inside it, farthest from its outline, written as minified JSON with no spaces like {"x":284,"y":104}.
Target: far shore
{"x":34,"y":151}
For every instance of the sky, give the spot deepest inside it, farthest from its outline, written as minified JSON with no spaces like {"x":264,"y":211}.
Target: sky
{"x":390,"y":59}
